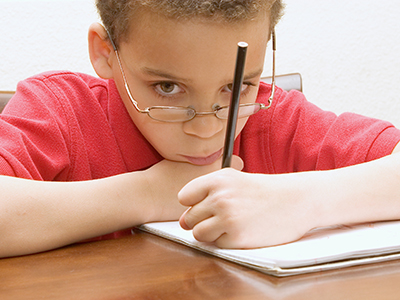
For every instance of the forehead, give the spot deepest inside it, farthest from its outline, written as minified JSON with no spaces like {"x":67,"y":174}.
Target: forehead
{"x":200,"y":43}
{"x":147,"y":21}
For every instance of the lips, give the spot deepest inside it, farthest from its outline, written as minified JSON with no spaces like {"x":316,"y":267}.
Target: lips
{"x":204,"y":160}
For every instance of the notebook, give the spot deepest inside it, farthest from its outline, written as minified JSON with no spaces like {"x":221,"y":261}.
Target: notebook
{"x":320,"y":249}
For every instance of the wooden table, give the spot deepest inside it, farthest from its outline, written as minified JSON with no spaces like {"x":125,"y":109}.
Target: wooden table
{"x":143,"y":266}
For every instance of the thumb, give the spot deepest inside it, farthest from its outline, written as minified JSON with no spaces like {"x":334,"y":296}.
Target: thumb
{"x":237,"y":163}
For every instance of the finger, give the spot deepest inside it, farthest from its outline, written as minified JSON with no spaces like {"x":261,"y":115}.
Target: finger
{"x":241,"y":239}
{"x":198,"y":189}
{"x":237,"y":163}
{"x":207,"y":231}
{"x":224,"y":241}
{"x":194,"y":192}
{"x":182,"y":221}
{"x":194,"y":215}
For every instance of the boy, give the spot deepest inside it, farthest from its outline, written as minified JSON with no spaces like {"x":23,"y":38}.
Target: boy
{"x":84,"y":157}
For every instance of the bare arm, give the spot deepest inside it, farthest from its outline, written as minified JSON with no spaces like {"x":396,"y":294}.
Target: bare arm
{"x":239,"y":210}
{"x":362,"y":193}
{"x":37,"y":216}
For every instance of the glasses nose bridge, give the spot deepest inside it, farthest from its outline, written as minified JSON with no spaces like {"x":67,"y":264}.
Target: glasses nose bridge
{"x":215,"y":109}
{"x":206,"y":113}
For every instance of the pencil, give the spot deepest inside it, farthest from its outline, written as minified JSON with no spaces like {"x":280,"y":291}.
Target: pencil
{"x":234,"y":105}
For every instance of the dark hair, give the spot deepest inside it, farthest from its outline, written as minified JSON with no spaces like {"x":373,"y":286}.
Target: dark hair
{"x":115,"y":14}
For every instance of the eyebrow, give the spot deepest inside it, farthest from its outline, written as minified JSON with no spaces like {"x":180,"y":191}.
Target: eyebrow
{"x":254,"y":74}
{"x":159,"y":73}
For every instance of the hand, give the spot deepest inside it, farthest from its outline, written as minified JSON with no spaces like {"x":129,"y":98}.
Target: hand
{"x":241,"y":210}
{"x":166,"y":179}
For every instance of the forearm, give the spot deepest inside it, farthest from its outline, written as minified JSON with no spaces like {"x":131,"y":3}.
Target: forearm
{"x":37,"y":216}
{"x":243,"y":210}
{"x":360,"y":193}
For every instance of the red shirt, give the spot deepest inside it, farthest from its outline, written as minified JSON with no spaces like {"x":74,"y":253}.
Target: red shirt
{"x":68,"y":126}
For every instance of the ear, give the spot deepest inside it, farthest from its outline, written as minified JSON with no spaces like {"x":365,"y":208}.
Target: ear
{"x":100,"y":51}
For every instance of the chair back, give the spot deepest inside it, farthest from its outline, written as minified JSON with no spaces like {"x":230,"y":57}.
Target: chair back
{"x":4,"y":97}
{"x":287,"y":82}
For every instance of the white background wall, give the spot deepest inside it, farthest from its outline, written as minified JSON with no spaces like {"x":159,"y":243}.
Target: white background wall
{"x":347,"y":51}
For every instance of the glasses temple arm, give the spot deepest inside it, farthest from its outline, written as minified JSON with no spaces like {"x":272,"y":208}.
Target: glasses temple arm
{"x":271,"y":97}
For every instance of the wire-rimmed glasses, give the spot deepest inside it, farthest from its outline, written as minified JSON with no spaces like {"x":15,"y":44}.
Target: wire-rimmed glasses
{"x":184,"y":114}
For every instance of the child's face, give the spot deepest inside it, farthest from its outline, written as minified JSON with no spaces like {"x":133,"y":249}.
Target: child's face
{"x":188,"y":63}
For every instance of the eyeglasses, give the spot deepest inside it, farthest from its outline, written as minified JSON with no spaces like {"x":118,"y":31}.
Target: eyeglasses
{"x":183,"y":114}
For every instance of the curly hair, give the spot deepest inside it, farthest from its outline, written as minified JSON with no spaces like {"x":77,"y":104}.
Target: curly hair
{"x":115,"y":14}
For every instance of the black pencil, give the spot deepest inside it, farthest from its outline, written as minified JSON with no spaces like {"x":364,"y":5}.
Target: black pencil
{"x":234,"y":105}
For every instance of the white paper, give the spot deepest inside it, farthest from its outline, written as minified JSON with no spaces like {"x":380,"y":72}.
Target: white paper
{"x":320,"y":249}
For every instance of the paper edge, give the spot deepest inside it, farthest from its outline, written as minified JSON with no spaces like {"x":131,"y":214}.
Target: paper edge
{"x":273,"y":269}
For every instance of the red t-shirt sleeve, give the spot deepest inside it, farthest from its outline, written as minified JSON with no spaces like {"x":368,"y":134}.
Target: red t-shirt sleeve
{"x":299,"y":136}
{"x":33,"y":145}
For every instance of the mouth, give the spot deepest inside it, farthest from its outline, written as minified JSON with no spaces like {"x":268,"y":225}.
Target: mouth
{"x":204,"y":160}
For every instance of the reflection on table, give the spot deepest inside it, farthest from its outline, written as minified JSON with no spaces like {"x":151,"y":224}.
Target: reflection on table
{"x":143,"y":266}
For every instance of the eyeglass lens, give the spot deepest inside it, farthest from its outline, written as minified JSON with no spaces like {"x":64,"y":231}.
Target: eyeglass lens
{"x":172,"y":114}
{"x":181,"y":114}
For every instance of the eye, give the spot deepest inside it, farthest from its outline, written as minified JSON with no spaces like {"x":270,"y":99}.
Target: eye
{"x":228,"y":87}
{"x":167,"y":88}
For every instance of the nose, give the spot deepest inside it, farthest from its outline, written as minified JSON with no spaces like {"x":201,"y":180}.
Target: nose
{"x":205,"y":126}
